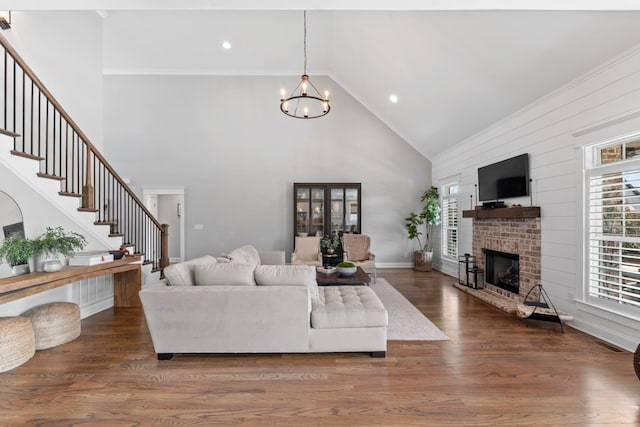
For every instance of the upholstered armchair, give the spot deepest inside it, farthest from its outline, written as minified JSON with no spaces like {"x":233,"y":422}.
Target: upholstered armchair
{"x":307,"y":251}
{"x":356,"y":249}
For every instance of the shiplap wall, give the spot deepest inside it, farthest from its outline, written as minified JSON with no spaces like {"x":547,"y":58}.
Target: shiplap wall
{"x":601,"y":104}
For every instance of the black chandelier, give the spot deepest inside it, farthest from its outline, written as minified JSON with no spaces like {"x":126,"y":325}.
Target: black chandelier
{"x":305,"y":102}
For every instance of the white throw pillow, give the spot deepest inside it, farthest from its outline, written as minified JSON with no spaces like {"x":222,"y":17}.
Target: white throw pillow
{"x":225,"y":274}
{"x":288,"y":275}
{"x":245,"y":255}
{"x":182,"y":274}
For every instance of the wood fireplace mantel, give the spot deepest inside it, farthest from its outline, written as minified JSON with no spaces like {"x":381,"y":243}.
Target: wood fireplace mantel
{"x":513,"y":212}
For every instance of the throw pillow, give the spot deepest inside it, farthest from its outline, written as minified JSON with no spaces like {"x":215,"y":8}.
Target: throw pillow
{"x":288,"y":275}
{"x":245,"y":255}
{"x":225,"y":274}
{"x":182,"y":274}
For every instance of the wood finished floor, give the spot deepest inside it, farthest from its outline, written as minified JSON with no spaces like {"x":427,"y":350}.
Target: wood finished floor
{"x":494,"y":371}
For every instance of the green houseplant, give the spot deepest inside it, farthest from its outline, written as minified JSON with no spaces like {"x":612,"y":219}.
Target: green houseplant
{"x":17,"y":250}
{"x":55,"y":242}
{"x":429,"y":217}
{"x":330,"y":243}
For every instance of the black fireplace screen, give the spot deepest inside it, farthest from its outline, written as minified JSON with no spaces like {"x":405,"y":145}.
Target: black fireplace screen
{"x":503,"y":270}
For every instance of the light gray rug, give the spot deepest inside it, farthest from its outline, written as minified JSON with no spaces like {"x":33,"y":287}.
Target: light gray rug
{"x":405,"y":321}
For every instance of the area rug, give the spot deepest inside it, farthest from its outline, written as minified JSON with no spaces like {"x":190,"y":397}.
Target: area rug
{"x":405,"y":321}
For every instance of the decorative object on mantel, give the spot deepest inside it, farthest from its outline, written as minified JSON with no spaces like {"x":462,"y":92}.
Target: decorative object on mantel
{"x":429,"y":216}
{"x":305,"y":101}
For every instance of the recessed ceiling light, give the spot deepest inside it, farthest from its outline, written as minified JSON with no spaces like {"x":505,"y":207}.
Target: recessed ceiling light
{"x":394,"y":99}
{"x":226,"y":45}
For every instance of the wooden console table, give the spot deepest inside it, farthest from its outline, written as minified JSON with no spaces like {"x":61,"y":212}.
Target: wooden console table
{"x":127,"y":281}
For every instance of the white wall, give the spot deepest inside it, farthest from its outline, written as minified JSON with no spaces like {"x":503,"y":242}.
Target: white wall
{"x":551,"y":131}
{"x":226,"y":142}
{"x":64,"y":49}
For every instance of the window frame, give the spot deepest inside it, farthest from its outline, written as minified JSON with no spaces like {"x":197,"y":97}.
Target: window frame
{"x":450,"y":193}
{"x":594,"y":256}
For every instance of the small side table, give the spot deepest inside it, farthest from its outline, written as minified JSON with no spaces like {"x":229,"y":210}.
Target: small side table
{"x":330,"y":259}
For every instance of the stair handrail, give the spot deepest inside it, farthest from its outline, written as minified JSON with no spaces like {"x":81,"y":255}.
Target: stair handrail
{"x":90,"y":147}
{"x":76,"y":128}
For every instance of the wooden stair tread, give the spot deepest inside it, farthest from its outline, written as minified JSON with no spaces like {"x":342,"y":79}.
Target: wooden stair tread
{"x":87,"y":210}
{"x":69,"y":194}
{"x":116,"y":234}
{"x":26,"y":155}
{"x":49,"y":176}
{"x":9,"y":133}
{"x":103,"y":222}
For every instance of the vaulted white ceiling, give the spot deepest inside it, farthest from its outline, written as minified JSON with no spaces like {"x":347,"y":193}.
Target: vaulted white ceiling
{"x":455,"y":72}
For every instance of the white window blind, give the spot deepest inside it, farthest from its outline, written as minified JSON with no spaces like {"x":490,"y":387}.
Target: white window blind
{"x":613,"y":241}
{"x":450,"y":221}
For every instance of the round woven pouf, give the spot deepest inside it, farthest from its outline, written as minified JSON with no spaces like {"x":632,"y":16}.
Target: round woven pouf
{"x":54,"y":323}
{"x":636,"y":361}
{"x":17,"y":343}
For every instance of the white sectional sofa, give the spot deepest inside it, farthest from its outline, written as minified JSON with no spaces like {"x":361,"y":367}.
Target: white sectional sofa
{"x":209,"y":305}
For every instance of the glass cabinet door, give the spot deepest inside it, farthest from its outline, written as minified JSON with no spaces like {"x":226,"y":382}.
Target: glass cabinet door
{"x":317,"y":211}
{"x":302,"y":211}
{"x":326,"y":208}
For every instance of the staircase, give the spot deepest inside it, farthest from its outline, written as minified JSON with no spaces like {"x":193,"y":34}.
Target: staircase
{"x":48,"y":145}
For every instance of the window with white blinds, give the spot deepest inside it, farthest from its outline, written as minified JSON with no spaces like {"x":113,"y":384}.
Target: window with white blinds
{"x":450,"y":221}
{"x":613,"y":238}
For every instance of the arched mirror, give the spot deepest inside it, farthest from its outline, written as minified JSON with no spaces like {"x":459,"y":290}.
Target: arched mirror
{"x":10,"y":222}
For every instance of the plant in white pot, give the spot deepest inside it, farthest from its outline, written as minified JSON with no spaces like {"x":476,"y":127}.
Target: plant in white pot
{"x":56,"y":242}
{"x":17,"y":250}
{"x":429,"y":217}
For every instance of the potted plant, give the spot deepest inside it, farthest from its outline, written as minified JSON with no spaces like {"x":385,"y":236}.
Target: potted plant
{"x":330,"y":243}
{"x":55,"y":242}
{"x":429,"y":217}
{"x":346,"y":268}
{"x":17,"y":250}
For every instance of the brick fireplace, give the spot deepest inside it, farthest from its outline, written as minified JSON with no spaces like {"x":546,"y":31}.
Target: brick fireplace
{"x":512,"y":235}
{"x":519,"y":236}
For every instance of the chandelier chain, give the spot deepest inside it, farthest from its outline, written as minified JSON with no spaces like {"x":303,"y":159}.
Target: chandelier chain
{"x":305,"y":42}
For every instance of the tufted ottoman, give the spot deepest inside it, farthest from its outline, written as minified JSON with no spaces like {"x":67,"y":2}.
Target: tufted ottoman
{"x":54,"y":324}
{"x":17,"y":343}
{"x":348,"y":317}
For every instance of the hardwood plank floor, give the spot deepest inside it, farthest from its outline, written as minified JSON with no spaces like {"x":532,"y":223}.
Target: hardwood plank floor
{"x":495,"y":370}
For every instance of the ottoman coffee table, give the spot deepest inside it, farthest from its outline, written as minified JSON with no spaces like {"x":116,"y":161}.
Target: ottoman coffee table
{"x":337,"y":279}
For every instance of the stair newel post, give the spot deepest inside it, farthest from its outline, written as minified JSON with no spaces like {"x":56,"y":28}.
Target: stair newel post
{"x":87,"y":188}
{"x":164,"y":245}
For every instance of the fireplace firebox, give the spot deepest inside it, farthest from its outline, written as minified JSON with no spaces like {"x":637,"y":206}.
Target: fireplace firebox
{"x":502,"y":270}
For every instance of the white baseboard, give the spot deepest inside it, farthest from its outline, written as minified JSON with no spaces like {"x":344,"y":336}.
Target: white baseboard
{"x":95,"y":307}
{"x":394,"y":265}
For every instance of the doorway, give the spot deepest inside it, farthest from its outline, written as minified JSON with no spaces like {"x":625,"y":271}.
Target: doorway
{"x":167,"y":205}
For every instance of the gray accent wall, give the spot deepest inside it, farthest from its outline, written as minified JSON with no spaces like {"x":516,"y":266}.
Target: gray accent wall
{"x":226,"y":142}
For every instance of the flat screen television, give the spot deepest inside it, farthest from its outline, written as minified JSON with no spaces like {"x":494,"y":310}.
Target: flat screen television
{"x":505,"y":179}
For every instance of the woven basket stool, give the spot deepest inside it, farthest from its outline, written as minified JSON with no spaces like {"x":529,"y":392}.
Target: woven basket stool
{"x":17,"y":343}
{"x":54,"y":324}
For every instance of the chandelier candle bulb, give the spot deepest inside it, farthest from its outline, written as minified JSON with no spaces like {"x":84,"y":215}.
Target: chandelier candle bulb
{"x":283,"y":93}
{"x":306,"y":111}
{"x":326,"y":95}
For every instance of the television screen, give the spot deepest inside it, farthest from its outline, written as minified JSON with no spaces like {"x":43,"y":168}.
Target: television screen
{"x":505,"y":179}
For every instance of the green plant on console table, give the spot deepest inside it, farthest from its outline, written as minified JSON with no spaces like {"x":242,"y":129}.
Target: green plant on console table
{"x":17,"y":250}
{"x":58,"y":241}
